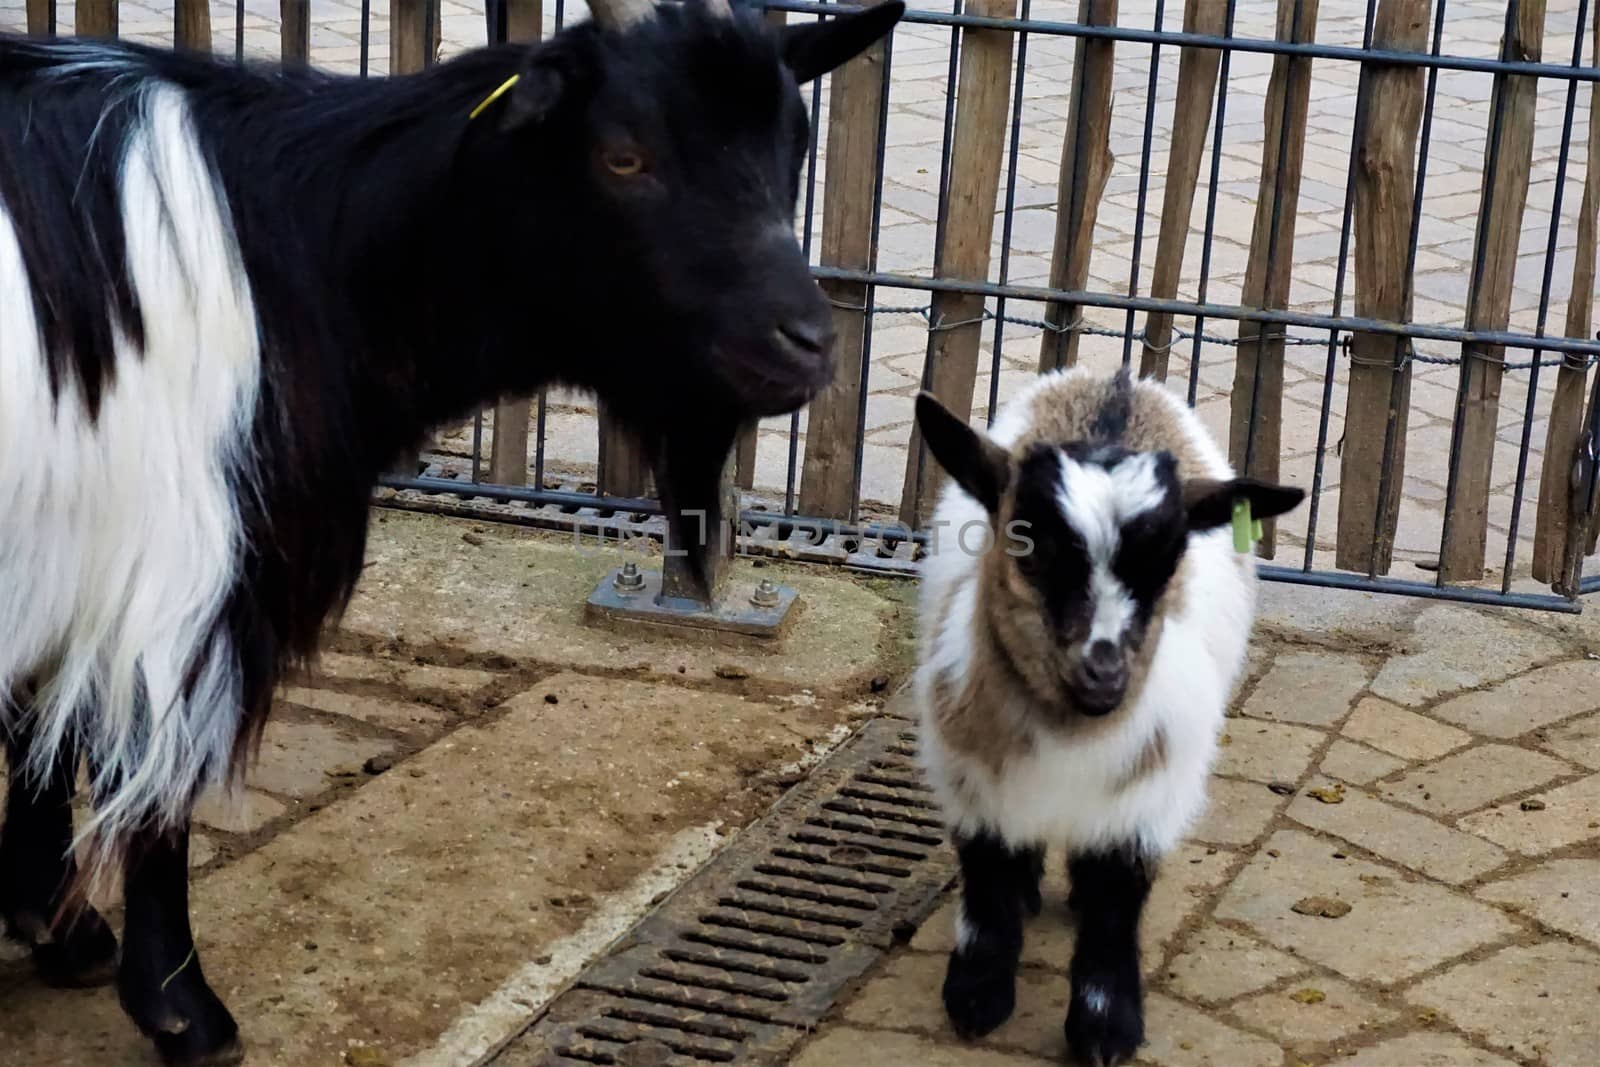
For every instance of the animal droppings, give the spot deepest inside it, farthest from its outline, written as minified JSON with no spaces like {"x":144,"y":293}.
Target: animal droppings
{"x":1532,"y":804}
{"x":1308,"y":996}
{"x":1322,"y":907}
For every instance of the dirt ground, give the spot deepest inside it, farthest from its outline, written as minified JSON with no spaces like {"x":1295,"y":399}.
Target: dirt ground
{"x":474,"y":795}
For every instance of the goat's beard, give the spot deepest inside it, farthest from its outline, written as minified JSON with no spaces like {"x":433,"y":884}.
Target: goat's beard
{"x":689,"y":459}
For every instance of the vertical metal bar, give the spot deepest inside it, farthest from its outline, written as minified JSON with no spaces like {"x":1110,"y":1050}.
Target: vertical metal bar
{"x":1402,"y":344}
{"x":1144,"y":183}
{"x":366,"y":34}
{"x":1357,"y":130}
{"x":1013,"y":151}
{"x":871,"y":290}
{"x":238,"y":30}
{"x":538,"y":444}
{"x":1211,"y":206}
{"x":1544,"y":297}
{"x":477,"y":447}
{"x":1480,"y":250}
{"x":807,"y":233}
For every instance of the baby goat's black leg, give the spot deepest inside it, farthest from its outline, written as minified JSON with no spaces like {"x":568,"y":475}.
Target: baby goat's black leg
{"x":71,"y":944}
{"x":1105,"y":1021}
{"x":161,"y":984}
{"x":997,"y":882}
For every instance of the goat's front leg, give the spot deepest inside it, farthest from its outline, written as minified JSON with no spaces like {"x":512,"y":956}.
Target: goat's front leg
{"x":71,"y":944}
{"x":161,"y":984}
{"x":1105,"y":1020}
{"x":997,"y":882}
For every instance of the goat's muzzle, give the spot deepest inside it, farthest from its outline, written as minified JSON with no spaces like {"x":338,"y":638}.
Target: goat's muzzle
{"x":1101,"y":679}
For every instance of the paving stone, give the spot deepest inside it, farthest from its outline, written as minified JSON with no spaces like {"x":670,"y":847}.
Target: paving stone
{"x":905,"y":995}
{"x":1314,"y":688}
{"x":456,"y":680}
{"x":401,"y":715}
{"x":1177,"y":1035}
{"x":1395,"y":928}
{"x":296,"y":756}
{"x":1563,"y":894}
{"x":1236,"y":812}
{"x":1399,"y":732}
{"x":1535,"y":699}
{"x":252,"y":811}
{"x":1424,"y":1050}
{"x":844,"y":1046}
{"x":1578,"y":741}
{"x":1219,"y":964}
{"x":1570,"y":814}
{"x":1266,"y":751}
{"x":1358,"y":764}
{"x":1474,"y":778}
{"x":1297,"y":1017}
{"x":1522,"y":998}
{"x":1405,"y":837}
{"x":1454,"y":648}
{"x":1185,"y":882}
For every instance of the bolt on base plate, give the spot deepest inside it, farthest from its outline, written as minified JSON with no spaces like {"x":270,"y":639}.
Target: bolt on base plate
{"x":631,"y":596}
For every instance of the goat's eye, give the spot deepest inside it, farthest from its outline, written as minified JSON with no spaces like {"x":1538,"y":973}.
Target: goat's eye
{"x":624,"y":162}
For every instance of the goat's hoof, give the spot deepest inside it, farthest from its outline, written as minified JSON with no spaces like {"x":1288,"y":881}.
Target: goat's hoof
{"x":979,"y":995}
{"x":1105,"y":1025}
{"x":189,"y":1024}
{"x":177,"y":1052}
{"x":81,"y":956}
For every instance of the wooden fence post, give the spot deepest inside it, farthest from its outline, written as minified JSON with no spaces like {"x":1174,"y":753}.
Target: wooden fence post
{"x":622,"y":467}
{"x":39,"y":12}
{"x":855,"y":125}
{"x":976,"y":154}
{"x":295,"y":32}
{"x":1550,"y":560}
{"x":1085,"y":167}
{"x":1508,"y":157}
{"x":191,"y":28}
{"x":96,"y":18}
{"x":1380,"y":373}
{"x":1197,"y":84}
{"x":1257,"y":402}
{"x":508,"y":455}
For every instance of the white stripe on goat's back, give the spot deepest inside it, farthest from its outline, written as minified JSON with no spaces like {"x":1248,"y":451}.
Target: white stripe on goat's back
{"x":121,"y":537}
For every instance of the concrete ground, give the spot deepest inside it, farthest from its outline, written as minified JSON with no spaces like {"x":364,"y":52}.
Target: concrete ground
{"x":478,"y":793}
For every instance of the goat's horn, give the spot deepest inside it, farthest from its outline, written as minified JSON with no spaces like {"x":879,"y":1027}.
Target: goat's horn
{"x":621,"y":14}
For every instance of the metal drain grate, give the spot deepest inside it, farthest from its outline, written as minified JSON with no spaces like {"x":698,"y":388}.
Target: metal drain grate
{"x":749,"y":954}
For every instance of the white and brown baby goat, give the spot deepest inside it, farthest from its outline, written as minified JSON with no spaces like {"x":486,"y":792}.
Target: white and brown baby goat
{"x":1085,"y":616}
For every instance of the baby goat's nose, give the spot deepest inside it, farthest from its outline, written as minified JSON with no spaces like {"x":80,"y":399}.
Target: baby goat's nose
{"x":1103,"y":666}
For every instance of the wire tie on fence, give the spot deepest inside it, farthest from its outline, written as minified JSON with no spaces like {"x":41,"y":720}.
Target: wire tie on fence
{"x":1075,"y":326}
{"x":842,"y":306}
{"x":940,"y":326}
{"x":505,"y":87}
{"x":1158,"y":350}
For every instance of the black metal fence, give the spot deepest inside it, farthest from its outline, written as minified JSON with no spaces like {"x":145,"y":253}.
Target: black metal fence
{"x":1423,"y":199}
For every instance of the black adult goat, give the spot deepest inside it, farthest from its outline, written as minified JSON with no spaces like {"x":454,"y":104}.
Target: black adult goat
{"x":230,"y":297}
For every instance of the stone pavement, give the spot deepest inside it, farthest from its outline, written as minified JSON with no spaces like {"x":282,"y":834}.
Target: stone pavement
{"x":1400,"y":867}
{"x":915,"y":131}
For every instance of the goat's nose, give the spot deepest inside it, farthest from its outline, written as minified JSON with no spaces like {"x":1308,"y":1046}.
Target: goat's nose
{"x":1102,"y":665}
{"x":808,"y":334}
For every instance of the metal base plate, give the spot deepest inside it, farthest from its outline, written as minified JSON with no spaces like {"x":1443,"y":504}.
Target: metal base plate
{"x":732,"y":615}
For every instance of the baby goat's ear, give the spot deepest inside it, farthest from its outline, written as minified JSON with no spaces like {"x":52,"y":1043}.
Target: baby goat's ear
{"x":812,"y":49}
{"x":978,"y":465}
{"x":1209,"y":503}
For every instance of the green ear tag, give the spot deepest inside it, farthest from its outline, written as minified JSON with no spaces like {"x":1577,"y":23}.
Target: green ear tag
{"x":1245,"y":528}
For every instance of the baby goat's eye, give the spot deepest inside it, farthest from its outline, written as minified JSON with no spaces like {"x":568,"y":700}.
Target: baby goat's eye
{"x":624,"y":162}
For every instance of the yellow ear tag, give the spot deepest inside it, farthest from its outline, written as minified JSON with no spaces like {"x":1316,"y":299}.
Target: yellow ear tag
{"x":1246,"y":528}
{"x":505,"y":87}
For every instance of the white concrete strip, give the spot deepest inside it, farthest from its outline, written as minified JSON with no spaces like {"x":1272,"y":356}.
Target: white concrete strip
{"x":490,"y":1025}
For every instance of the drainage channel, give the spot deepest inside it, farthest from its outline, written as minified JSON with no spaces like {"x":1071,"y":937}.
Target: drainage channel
{"x":746,"y":957}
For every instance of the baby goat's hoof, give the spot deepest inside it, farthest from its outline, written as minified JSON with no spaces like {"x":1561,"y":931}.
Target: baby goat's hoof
{"x":979,"y":994}
{"x":1105,"y":1026}
{"x":81,"y":955}
{"x":188,"y":1023}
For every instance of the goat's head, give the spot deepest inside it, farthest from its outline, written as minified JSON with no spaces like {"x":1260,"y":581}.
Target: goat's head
{"x":669,"y":141}
{"x":1086,"y":538}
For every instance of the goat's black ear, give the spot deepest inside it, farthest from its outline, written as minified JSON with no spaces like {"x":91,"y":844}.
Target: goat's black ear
{"x":812,"y":49}
{"x":1209,"y":502}
{"x":978,"y":465}
{"x":542,"y":83}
